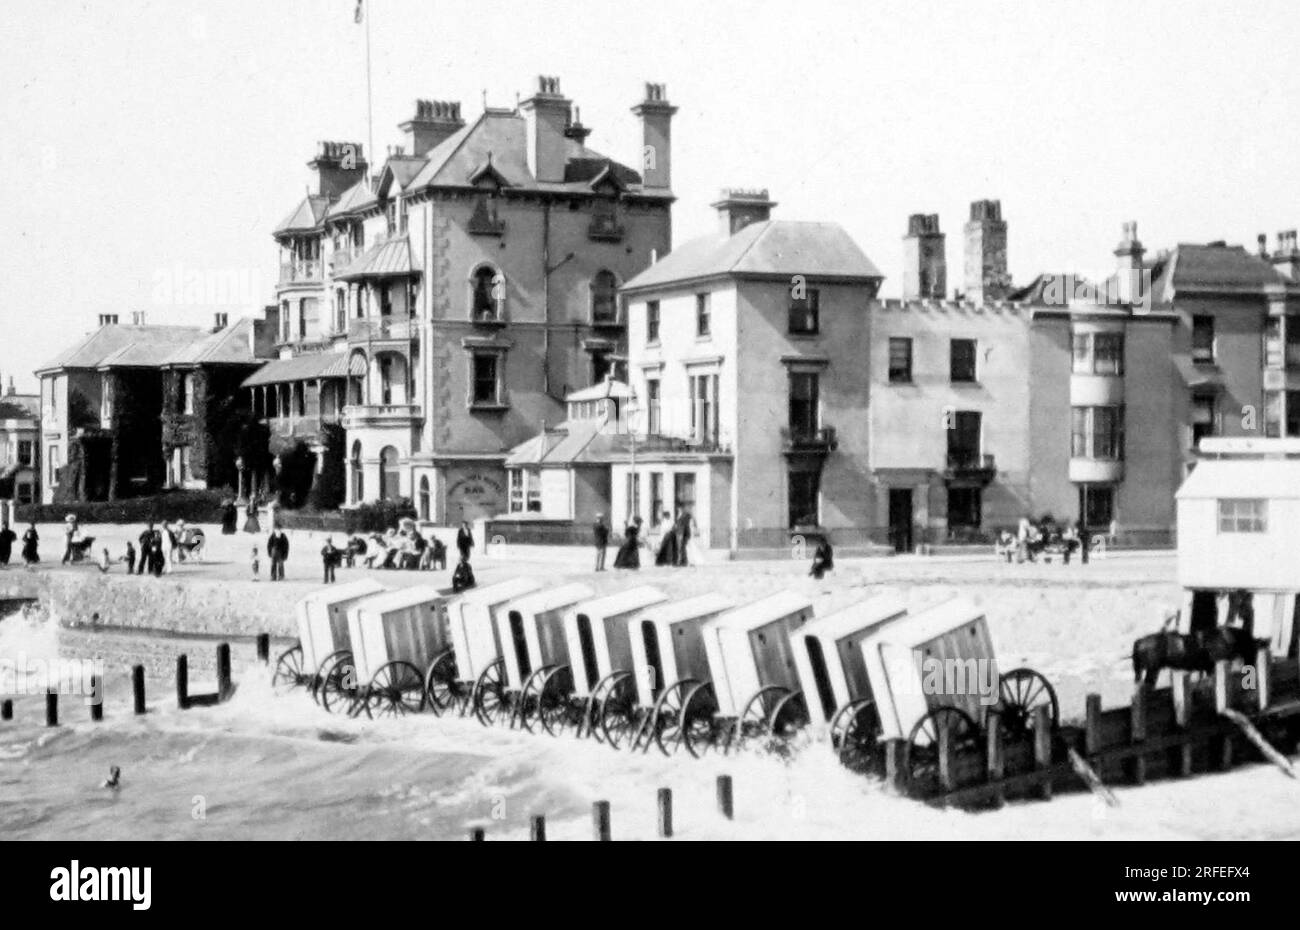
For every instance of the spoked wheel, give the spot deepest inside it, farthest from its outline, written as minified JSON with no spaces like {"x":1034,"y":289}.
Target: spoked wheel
{"x":338,"y":691}
{"x":670,"y":721}
{"x":288,"y":672}
{"x":396,"y":690}
{"x":751,"y":727}
{"x":700,"y":731}
{"x":923,"y":757}
{"x":855,"y":736}
{"x":530,"y":698}
{"x":616,"y":712}
{"x":1022,"y":691}
{"x":323,"y":673}
{"x":556,"y":707}
{"x":489,"y":700}
{"x":441,"y":686}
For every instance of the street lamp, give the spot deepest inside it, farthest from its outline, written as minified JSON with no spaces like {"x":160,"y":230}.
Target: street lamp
{"x":239,"y":468}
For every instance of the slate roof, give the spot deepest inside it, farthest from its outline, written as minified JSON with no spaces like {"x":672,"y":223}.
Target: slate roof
{"x":149,"y":346}
{"x":355,"y":199}
{"x":772,"y":247}
{"x":502,"y":135}
{"x":229,"y":346}
{"x":1193,"y":268}
{"x":20,"y":407}
{"x":389,"y":257}
{"x":300,"y":368}
{"x":307,"y":215}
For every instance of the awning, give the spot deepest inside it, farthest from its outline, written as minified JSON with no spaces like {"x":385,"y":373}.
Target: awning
{"x":300,"y":368}
{"x":1205,"y":379}
{"x":392,"y":257}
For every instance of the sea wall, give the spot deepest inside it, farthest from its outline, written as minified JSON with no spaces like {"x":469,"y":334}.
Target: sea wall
{"x":191,"y":605}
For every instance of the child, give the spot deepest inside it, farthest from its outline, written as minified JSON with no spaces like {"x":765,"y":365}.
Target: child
{"x":129,"y":558}
{"x":104,"y":561}
{"x":255,"y":563}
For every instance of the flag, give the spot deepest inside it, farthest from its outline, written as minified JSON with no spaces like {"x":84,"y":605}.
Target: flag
{"x":357,"y":16}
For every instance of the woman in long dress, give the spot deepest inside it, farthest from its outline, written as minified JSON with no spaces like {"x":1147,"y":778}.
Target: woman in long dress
{"x":31,"y":540}
{"x":629,"y":555}
{"x":694,"y":551}
{"x":229,"y":518}
{"x":667,"y":552}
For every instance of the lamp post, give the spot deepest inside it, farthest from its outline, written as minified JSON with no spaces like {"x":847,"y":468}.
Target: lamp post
{"x":239,"y":469}
{"x":631,"y":412}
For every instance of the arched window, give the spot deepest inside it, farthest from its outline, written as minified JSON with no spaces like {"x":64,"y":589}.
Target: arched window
{"x":389,"y":474}
{"x":487,"y":295}
{"x":424,"y":497}
{"x":604,"y":298}
{"x":358,"y":476}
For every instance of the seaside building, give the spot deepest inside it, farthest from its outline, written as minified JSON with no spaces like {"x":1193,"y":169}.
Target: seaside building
{"x":20,"y":429}
{"x":440,"y":310}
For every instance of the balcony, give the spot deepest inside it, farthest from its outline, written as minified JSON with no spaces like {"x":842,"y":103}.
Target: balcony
{"x":809,"y":440}
{"x":608,"y":318}
{"x":970,"y":466}
{"x":382,"y":416}
{"x":605,"y":229}
{"x":1095,"y":471}
{"x":302,"y":272}
{"x":343,"y":259}
{"x":383,"y":329}
{"x":305,"y":428}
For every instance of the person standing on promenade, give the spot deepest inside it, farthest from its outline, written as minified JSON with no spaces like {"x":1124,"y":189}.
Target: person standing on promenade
{"x":157,"y":559}
{"x":465,"y":540}
{"x":277,"y":549}
{"x":69,"y":534}
{"x":129,"y":558}
{"x":329,"y":556}
{"x":600,"y":533}
{"x":7,"y":537}
{"x":255,"y":563}
{"x":146,"y":549}
{"x":31,"y":542}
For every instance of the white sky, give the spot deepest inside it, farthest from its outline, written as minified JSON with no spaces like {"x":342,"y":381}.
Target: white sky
{"x":140,"y":136}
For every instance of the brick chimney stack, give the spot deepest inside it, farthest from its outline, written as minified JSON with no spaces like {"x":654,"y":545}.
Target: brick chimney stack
{"x":738,"y":208}
{"x":547,"y":116}
{"x":1286,"y":258}
{"x":1128,"y":271}
{"x":434,"y":121}
{"x":656,"y":115}
{"x":338,"y":166}
{"x":925,"y":262}
{"x":986,"y":252}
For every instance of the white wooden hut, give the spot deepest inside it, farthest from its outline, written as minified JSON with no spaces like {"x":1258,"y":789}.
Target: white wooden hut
{"x":1239,"y":529}
{"x":323,"y":619}
{"x":828,"y":654}
{"x":668,"y":643}
{"x":473,"y":629}
{"x":406,"y":625}
{"x":749,"y":648}
{"x":598,"y":634}
{"x":536,"y":620}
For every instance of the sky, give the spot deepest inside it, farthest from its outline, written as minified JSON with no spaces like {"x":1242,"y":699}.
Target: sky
{"x":150,"y":144}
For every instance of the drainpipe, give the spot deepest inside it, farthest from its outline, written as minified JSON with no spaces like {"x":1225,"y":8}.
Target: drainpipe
{"x":547,"y":270}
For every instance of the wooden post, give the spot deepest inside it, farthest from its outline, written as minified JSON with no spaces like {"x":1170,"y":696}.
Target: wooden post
{"x":97,"y":699}
{"x":137,"y":688}
{"x":264,"y":648}
{"x":1181,"y":756}
{"x":223,"y":671}
{"x":665,"y":804}
{"x":896,"y":751}
{"x":7,"y":710}
{"x":996,"y":753}
{"x":600,"y":821}
{"x":1092,"y":724}
{"x":1138,"y":732}
{"x":1043,"y":748}
{"x":537,"y":832}
{"x":477,"y":834}
{"x":1263,"y":669}
{"x":1220,"y":686}
{"x":183,"y":682}
{"x":947,"y":779}
{"x":52,"y":708}
{"x":726,"y":802}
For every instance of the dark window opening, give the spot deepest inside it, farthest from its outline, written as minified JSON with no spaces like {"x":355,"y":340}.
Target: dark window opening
{"x":961,"y":365}
{"x":805,"y":313}
{"x":900,"y":360}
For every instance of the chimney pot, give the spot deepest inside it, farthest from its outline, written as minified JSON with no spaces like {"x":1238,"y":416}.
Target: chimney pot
{"x":739,"y":207}
{"x":986,"y":275}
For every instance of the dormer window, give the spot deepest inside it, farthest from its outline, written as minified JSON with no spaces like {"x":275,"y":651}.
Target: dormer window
{"x":484,"y":221}
{"x":604,"y":221}
{"x":487,"y":296}
{"x":604,"y":299}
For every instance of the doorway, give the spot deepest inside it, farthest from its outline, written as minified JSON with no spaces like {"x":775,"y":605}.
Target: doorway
{"x":900,"y":519}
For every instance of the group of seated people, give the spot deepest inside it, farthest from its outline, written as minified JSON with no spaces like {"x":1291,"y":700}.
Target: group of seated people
{"x":1045,"y":536}
{"x":403,"y":548}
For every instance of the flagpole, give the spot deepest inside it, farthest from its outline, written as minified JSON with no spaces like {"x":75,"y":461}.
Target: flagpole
{"x":370,"y":100}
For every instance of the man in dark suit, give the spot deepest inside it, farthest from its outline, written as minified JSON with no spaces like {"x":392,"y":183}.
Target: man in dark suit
{"x":146,"y":549}
{"x":277,"y":550}
{"x":600,"y":533}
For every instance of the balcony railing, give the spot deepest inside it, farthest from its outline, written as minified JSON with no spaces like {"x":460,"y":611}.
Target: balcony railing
{"x":303,"y":272}
{"x":382,"y":415}
{"x":970,"y":465}
{"x":809,"y":439}
{"x":608,"y":317}
{"x":398,"y":328}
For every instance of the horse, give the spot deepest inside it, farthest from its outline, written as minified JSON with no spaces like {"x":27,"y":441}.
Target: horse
{"x":191,"y":549}
{"x":1190,"y":651}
